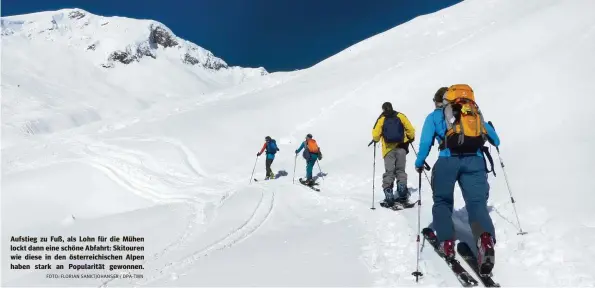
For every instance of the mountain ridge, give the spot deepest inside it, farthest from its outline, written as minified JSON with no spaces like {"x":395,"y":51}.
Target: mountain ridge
{"x":124,"y":40}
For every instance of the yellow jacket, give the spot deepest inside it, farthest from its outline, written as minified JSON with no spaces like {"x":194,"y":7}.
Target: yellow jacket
{"x":387,"y":147}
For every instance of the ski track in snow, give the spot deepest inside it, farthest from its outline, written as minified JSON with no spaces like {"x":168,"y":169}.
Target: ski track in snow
{"x":128,"y":168}
{"x":549,"y":255}
{"x":259,"y":216}
{"x":136,"y":171}
{"x":144,"y":176}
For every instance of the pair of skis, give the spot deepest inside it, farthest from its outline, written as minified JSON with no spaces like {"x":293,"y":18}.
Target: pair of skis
{"x":303,"y":182}
{"x":256,"y":180}
{"x":466,"y":253}
{"x":398,"y":206}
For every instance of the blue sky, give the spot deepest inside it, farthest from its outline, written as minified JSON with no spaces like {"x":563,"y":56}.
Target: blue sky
{"x":279,"y":35}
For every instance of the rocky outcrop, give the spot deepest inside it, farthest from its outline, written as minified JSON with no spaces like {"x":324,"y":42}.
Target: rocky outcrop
{"x":210,"y":63}
{"x":131,"y":54}
{"x":116,"y":41}
{"x":188,"y":59}
{"x":124,"y":57}
{"x":76,"y":14}
{"x":162,"y":37}
{"x":144,"y":49}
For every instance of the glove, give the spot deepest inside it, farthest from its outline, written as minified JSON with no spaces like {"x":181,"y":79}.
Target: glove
{"x":296,"y":152}
{"x":258,"y":154}
{"x":419,"y":169}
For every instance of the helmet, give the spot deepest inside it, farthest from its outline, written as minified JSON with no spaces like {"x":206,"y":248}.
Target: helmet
{"x":268,"y":138}
{"x":309,"y":136}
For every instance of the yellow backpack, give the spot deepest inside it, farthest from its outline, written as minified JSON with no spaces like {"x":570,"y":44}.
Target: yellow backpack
{"x":465,"y":128}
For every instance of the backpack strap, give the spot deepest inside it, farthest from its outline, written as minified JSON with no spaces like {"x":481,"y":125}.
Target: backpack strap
{"x":486,"y":152}
{"x":377,"y":121}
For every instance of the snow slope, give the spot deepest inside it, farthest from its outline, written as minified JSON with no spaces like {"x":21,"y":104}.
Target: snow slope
{"x":135,"y":63}
{"x":179,"y":174}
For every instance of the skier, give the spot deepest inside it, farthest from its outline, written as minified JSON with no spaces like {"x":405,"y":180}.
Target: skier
{"x":311,"y":154}
{"x":396,"y":133}
{"x":460,"y":159}
{"x":271,"y":148}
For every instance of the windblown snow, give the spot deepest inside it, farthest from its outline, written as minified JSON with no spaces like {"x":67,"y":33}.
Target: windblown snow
{"x":108,"y":128}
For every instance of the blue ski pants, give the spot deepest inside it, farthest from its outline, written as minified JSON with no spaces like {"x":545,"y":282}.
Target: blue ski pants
{"x":470,"y":172}
{"x":310,"y":165}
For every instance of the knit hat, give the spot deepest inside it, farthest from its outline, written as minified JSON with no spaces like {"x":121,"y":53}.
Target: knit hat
{"x":387,"y":106}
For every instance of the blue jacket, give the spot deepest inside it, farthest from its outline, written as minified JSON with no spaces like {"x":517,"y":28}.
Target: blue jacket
{"x":435,"y":125}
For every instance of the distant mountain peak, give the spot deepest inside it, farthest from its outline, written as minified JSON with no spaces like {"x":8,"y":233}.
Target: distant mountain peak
{"x":113,"y":41}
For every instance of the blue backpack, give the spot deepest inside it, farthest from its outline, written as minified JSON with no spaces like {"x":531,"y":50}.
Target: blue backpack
{"x":272,"y":147}
{"x":393,"y":130}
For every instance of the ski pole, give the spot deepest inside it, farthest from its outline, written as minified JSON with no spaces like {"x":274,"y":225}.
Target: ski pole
{"x":418,"y":274}
{"x":321,"y":174}
{"x":521,"y":232}
{"x":426,"y":165}
{"x":253,"y":170}
{"x":294,"y":163}
{"x":373,"y":174}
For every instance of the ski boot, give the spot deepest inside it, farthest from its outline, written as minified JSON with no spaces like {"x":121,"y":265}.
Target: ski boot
{"x":309,"y":182}
{"x":389,"y":198}
{"x":272,"y":175}
{"x":486,"y":255}
{"x":403,"y":196}
{"x":448,"y":249}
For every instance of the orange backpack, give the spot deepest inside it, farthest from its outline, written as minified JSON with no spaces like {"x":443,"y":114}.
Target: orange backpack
{"x":465,"y":129}
{"x":312,"y":146}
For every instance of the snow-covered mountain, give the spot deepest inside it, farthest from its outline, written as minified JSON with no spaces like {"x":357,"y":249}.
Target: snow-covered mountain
{"x":179,"y":174}
{"x":113,"y":41}
{"x":139,"y":63}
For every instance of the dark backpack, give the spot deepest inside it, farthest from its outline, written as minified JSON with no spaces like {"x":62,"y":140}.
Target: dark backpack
{"x":393,"y":130}
{"x":272,"y":147}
